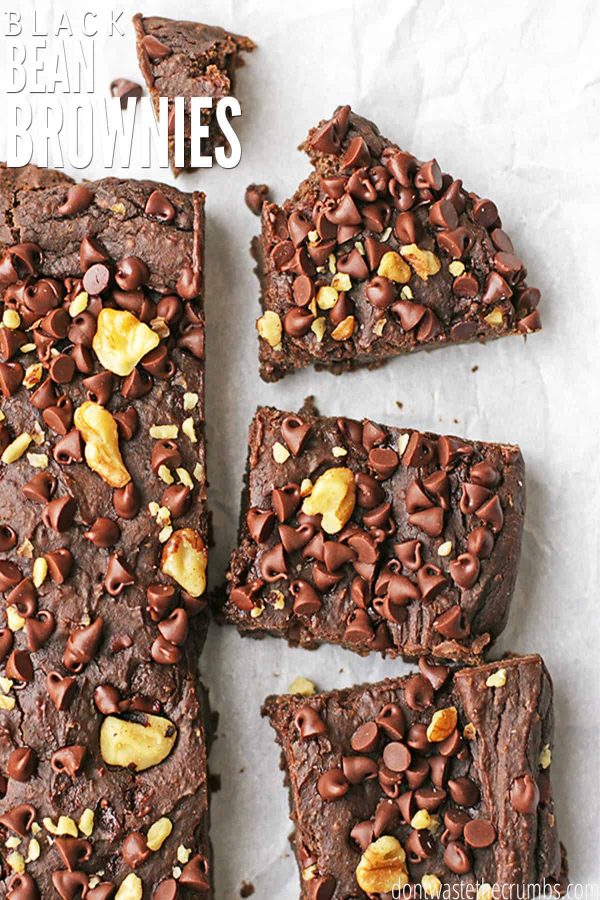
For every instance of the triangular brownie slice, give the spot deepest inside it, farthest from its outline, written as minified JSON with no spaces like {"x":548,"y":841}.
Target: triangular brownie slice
{"x":379,"y":254}
{"x":188,"y":59}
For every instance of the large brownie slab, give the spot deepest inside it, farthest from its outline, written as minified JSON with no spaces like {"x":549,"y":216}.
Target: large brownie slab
{"x":437,"y":780}
{"x":103,"y":532}
{"x":189,"y":59}
{"x":379,"y":254}
{"x":376,"y":538}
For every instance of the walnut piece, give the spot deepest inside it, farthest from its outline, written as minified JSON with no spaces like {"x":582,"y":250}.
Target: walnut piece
{"x":333,"y":496}
{"x":121,"y":340}
{"x":102,"y":454}
{"x":136,"y":745}
{"x":382,"y":866}
{"x":185,"y":558}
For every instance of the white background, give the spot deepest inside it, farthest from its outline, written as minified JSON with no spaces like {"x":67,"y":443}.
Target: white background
{"x":505,"y":96}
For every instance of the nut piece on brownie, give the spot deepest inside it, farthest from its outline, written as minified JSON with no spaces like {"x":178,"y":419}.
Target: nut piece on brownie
{"x":404,"y":256}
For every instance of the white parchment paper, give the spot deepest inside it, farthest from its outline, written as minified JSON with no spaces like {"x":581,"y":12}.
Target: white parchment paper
{"x":506,"y":96}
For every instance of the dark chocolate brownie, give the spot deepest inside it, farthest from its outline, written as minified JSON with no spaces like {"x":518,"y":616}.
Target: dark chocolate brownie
{"x":376,"y":538}
{"x":103,"y":532}
{"x":379,"y":254}
{"x":187,"y":59}
{"x":433,"y":779}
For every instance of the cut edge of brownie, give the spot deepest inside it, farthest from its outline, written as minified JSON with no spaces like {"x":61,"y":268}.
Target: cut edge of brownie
{"x":548,"y":857}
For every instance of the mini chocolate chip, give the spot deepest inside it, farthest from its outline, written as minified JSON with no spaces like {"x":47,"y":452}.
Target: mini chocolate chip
{"x":463,"y":791}
{"x":124,"y":89}
{"x":479,"y":833}
{"x":126,"y":501}
{"x":60,"y":564}
{"x":524,"y":794}
{"x":69,"y":759}
{"x":332,"y":785}
{"x":82,"y":645}
{"x":306,"y":600}
{"x":159,"y":207}
{"x":21,"y":764}
{"x":155,"y":48}
{"x":457,"y":858}
{"x":79,"y":197}
{"x":103,"y":532}
{"x":309,"y":722}
{"x":61,"y":689}
{"x":365,"y":738}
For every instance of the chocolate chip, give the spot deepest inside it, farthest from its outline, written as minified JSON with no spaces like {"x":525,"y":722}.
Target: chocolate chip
{"x":332,"y":785}
{"x":309,"y":722}
{"x":78,"y":199}
{"x":97,"y":279}
{"x":418,"y":693}
{"x":452,"y":624}
{"x":255,"y":196}
{"x":465,"y":570}
{"x":82,"y":645}
{"x":21,"y":764}
{"x":59,"y":514}
{"x":463,"y":791}
{"x":124,"y":89}
{"x":60,"y":564}
{"x":159,"y":207}
{"x":457,"y":858}
{"x":524,"y":794}
{"x":306,"y":600}
{"x":61,"y":689}
{"x":134,"y":849}
{"x":391,"y":720}
{"x":479,"y":833}
{"x":126,"y":501}
{"x":69,"y":760}
{"x":195,"y":874}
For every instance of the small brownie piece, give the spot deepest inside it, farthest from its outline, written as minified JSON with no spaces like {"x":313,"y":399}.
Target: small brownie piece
{"x":434,"y":779}
{"x":103,"y":531}
{"x":376,"y":538}
{"x":379,"y":254}
{"x":187,"y":59}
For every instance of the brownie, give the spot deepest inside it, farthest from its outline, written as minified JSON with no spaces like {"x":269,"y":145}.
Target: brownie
{"x":377,"y":538}
{"x":187,"y":59}
{"x":435,"y":779}
{"x":103,"y":534}
{"x":379,"y":254}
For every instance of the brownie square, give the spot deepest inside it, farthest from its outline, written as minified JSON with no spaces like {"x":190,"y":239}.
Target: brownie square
{"x":188,"y":59}
{"x":103,"y":537}
{"x":378,"y":254}
{"x":375,"y":537}
{"x":437,"y":779}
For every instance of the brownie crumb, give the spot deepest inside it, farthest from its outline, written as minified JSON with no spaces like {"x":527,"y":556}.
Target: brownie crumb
{"x":246,"y":889}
